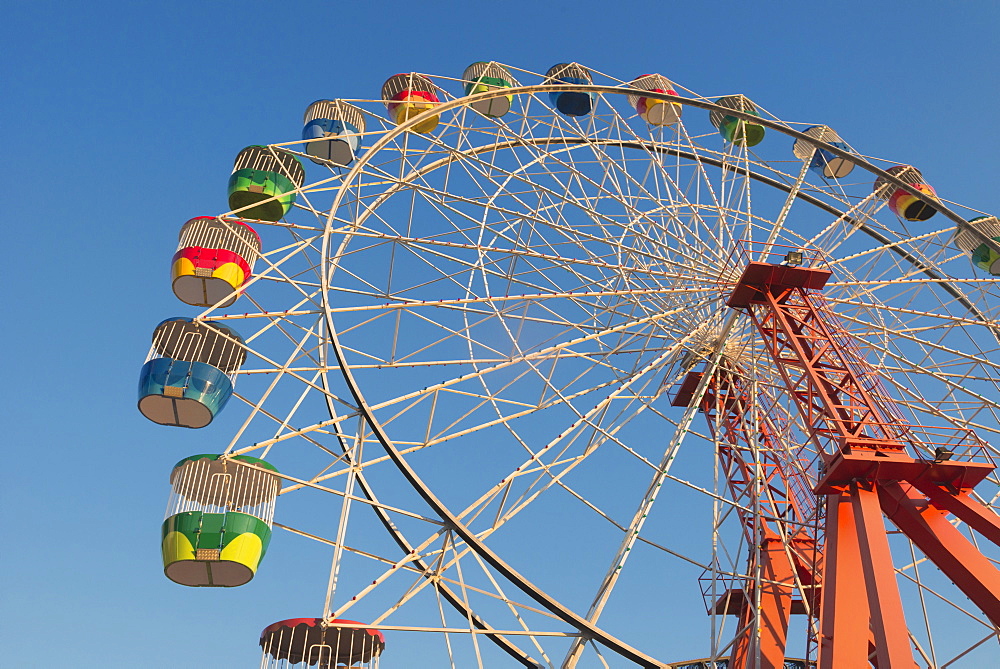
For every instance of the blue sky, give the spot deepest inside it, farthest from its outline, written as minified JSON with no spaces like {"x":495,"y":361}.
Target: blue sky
{"x":121,"y":121}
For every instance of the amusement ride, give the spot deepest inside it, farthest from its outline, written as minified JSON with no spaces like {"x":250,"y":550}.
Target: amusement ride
{"x":563,"y":370}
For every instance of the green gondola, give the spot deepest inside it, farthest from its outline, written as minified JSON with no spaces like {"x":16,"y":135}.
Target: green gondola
{"x":264,"y":180}
{"x":218,"y":523}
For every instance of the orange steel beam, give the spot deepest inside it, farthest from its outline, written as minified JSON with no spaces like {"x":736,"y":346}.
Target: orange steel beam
{"x":867,"y":473}
{"x":844,"y":609}
{"x":844,"y":412}
{"x":775,"y":594}
{"x":858,"y":430}
{"x":973,"y":512}
{"x":817,"y":366}
{"x":892,"y":642}
{"x":928,"y":527}
{"x":765,"y":482}
{"x":862,"y":438}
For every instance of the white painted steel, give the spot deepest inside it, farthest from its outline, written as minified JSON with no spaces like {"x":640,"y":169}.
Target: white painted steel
{"x":481,"y":326}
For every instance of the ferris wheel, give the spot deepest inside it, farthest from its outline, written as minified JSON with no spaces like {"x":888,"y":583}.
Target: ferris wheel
{"x":560,"y":369}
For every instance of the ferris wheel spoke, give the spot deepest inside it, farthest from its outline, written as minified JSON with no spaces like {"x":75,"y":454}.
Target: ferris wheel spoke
{"x":565,"y":487}
{"x":613,"y":167}
{"x":435,"y":576}
{"x":840,"y":229}
{"x":285,"y":371}
{"x":304,"y":433}
{"x":636,"y":214}
{"x":513,"y":608}
{"x":504,"y":417}
{"x":419,"y":566}
{"x":956,"y":358}
{"x":517,"y":249}
{"x":949,"y":602}
{"x":925,"y":346}
{"x":275,"y":272}
{"x":555,"y":349}
{"x":413,"y":556}
{"x":511,"y":212}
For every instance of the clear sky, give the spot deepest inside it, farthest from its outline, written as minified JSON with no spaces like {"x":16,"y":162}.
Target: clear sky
{"x":120,"y":122}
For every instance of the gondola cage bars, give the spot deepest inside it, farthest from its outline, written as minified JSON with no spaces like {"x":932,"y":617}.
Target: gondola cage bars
{"x":571,"y":103}
{"x":320,"y":643}
{"x":263,"y":183}
{"x":733,"y":128}
{"x":481,"y":77}
{"x":654,"y":111}
{"x":902,"y":203}
{"x":821,"y":161}
{"x":406,"y":96}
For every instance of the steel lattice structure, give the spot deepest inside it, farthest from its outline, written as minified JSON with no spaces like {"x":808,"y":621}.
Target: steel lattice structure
{"x":478,"y":354}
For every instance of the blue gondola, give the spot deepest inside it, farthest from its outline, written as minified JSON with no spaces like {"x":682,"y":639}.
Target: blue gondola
{"x":571,"y":103}
{"x":188,"y":375}
{"x":341,"y":125}
{"x":821,"y":161}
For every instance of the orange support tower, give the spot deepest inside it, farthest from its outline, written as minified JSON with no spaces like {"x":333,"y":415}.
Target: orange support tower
{"x":875,"y":464}
{"x":763,"y":604}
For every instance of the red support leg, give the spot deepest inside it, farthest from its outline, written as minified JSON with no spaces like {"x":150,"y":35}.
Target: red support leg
{"x":978,"y":516}
{"x":775,"y":596}
{"x":743,"y":644}
{"x":775,"y":602}
{"x":763,"y":481}
{"x":844,"y":616}
{"x":928,"y":527}
{"x":884,"y":604}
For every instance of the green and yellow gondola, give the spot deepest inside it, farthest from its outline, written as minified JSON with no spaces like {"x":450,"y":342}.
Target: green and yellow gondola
{"x":982,"y":254}
{"x":481,"y":77}
{"x":218,"y":521}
